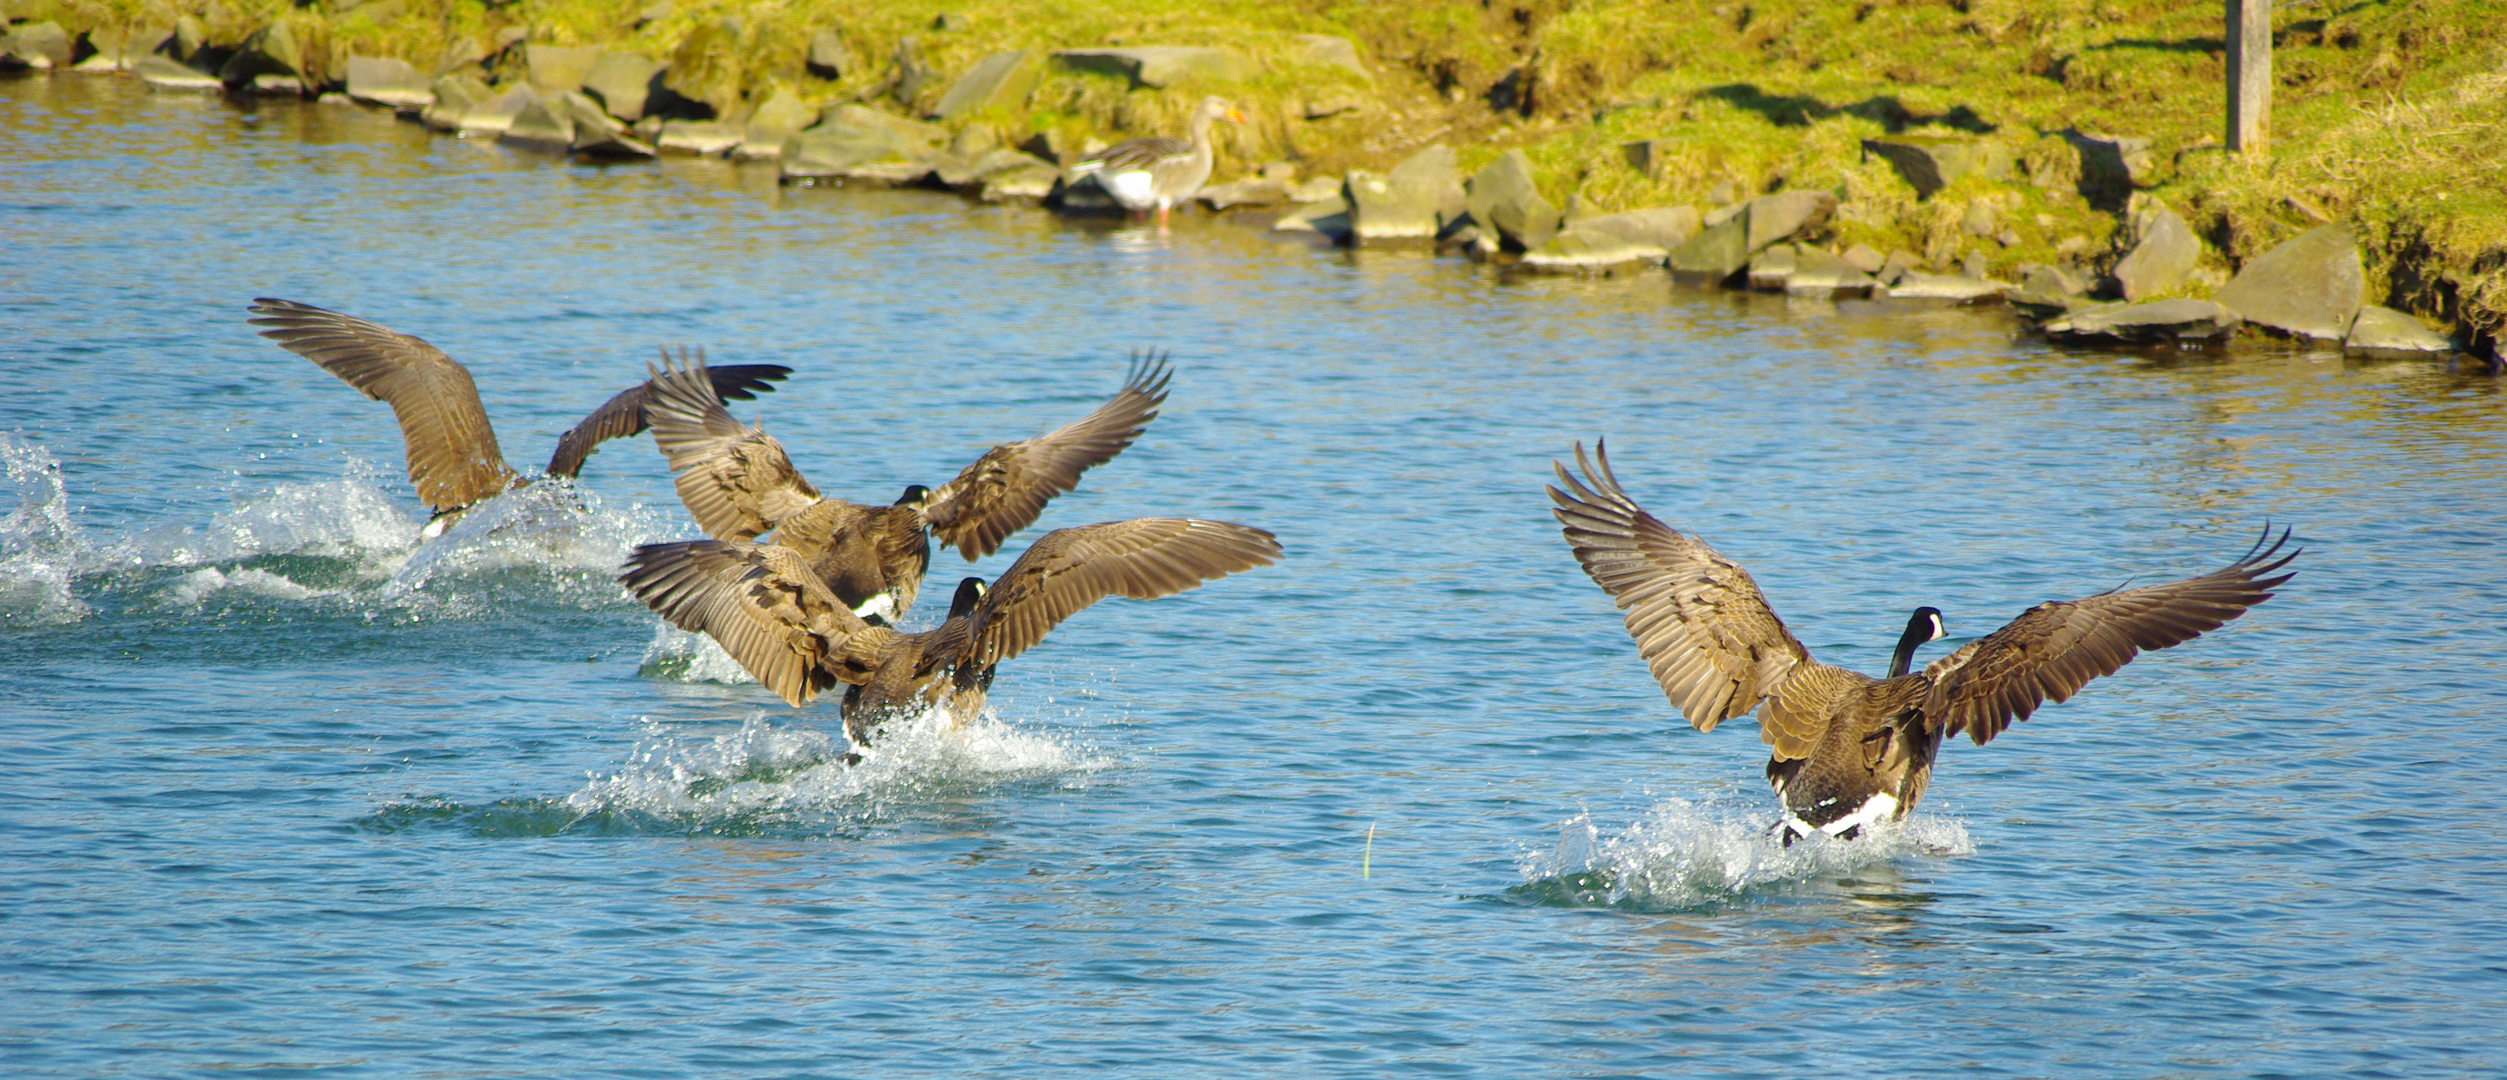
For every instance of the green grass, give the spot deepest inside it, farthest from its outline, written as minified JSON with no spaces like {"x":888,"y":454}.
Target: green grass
{"x":2389,"y":115}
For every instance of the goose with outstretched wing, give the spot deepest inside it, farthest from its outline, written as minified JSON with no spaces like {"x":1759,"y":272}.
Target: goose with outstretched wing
{"x":453,"y":457}
{"x":1849,"y":750}
{"x":738,"y":483}
{"x":772,"y":613}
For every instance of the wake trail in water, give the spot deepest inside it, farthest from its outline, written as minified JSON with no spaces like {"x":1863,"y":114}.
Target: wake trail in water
{"x":41,"y":547}
{"x":1685,"y":856}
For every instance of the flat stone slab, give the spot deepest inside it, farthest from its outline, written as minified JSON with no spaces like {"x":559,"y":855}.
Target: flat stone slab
{"x":545,"y":123}
{"x":1412,"y":202}
{"x":1772,"y":268}
{"x":1578,"y":249}
{"x":1029,"y":184}
{"x":43,"y":45}
{"x":774,"y":123}
{"x":2307,"y":287}
{"x":1928,"y":162}
{"x":1665,"y":227}
{"x":1945,"y":288}
{"x":828,"y":57}
{"x":2155,"y":322}
{"x":163,"y":73}
{"x":495,"y":115}
{"x":699,"y":137}
{"x":1788,"y":215}
{"x":1161,"y":66}
{"x":381,"y":80}
{"x":1250,"y":191}
{"x":1328,"y":217}
{"x":623,"y":82}
{"x":2160,"y":262}
{"x":2383,"y":333}
{"x":1324,"y":50}
{"x":455,"y":96}
{"x":1822,"y":273}
{"x":558,"y":68}
{"x":1716,"y":253}
{"x":1501,"y":198}
{"x":1002,"y":79}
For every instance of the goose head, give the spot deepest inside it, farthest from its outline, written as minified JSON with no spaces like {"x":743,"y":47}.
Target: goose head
{"x":1925,"y":625}
{"x":970,"y":593}
{"x":914,"y":495}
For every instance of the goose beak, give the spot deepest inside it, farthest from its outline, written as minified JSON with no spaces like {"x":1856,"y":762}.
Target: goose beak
{"x":1235,"y":117}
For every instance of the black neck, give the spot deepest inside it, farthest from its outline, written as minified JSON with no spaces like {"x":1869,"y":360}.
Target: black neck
{"x":1918,"y":631}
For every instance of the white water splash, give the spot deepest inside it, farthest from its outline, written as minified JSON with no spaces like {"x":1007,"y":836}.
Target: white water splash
{"x":41,"y":548}
{"x":1683,"y":855}
{"x":199,"y":585}
{"x":350,"y":518}
{"x":798,"y":771}
{"x":679,"y":655}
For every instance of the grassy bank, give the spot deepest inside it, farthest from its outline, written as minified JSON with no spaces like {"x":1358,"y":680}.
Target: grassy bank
{"x":2390,"y":116}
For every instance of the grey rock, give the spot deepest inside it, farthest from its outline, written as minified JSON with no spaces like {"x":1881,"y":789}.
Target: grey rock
{"x":1324,"y":50}
{"x":1648,"y":155}
{"x":623,"y":82}
{"x":597,"y":133}
{"x":274,"y":84}
{"x":271,"y":50}
{"x":1945,"y":288}
{"x":2383,"y":333}
{"x":1412,"y":202}
{"x":951,"y":20}
{"x":1250,"y":191}
{"x":699,"y":137}
{"x":1865,"y":258}
{"x":379,"y":80}
{"x":969,"y":169}
{"x":559,"y":68}
{"x":1817,"y":272}
{"x":1058,"y":147}
{"x":1327,"y":217}
{"x":1930,"y":161}
{"x":1002,"y":80}
{"x":2166,"y":254}
{"x":913,"y":74}
{"x":2307,"y":287}
{"x":43,"y":45}
{"x":1315,"y":189}
{"x":496,"y":114}
{"x":974,"y":141}
{"x":455,"y":96}
{"x":1501,"y":197}
{"x":1772,"y":268}
{"x":1788,"y":215}
{"x":1724,"y":212}
{"x":1897,"y":264}
{"x":1577,"y":249}
{"x":2047,"y":291}
{"x":163,"y":73}
{"x":2159,"y":321}
{"x":1715,"y":254}
{"x":775,"y":122}
{"x":462,"y":54}
{"x":858,"y":143}
{"x":2008,"y":237}
{"x":899,"y":130}
{"x":1665,"y":227}
{"x":191,"y":35}
{"x":828,"y":58}
{"x":1161,"y":65}
{"x":652,"y":13}
{"x":1973,"y":264}
{"x":546,"y":123}
{"x":2111,"y":166}
{"x":1030,"y":184}
{"x":1327,"y":106}
{"x":1282,"y":171}
{"x":1981,"y":219}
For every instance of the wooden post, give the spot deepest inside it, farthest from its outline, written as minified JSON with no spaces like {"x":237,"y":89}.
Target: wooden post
{"x":2249,"y":76}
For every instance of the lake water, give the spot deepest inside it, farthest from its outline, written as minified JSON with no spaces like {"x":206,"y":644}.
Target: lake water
{"x":287,"y":792}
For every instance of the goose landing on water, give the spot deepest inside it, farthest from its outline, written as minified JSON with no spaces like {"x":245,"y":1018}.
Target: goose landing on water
{"x":452,"y":452}
{"x":766,"y":607}
{"x":738,"y":483}
{"x":1849,"y":749}
{"x":1158,"y":172}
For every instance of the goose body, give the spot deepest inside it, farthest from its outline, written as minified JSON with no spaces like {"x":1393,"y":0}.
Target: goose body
{"x":770,"y":611}
{"x":1849,"y":750}
{"x":451,"y":448}
{"x":738,"y":483}
{"x":1157,"y":172}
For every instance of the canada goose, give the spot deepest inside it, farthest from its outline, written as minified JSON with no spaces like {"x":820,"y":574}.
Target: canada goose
{"x":1850,"y":749}
{"x":767,"y":608}
{"x":453,"y":458}
{"x":1158,"y":171}
{"x":738,"y":483}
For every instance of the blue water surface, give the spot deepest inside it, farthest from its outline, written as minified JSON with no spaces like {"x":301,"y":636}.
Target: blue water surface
{"x":285,"y":792}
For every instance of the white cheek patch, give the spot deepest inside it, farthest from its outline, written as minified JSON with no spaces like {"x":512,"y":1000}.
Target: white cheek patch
{"x":1133,"y":189}
{"x":882,"y":606}
{"x":435,"y":528}
{"x":1939,"y":631}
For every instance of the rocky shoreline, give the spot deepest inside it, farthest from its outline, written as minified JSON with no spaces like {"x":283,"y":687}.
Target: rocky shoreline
{"x":613,"y":104}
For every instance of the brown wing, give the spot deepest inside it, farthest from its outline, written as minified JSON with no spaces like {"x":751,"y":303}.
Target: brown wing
{"x":2050,"y":651}
{"x":1139,"y":153}
{"x":1069,"y":569}
{"x":735,"y":479}
{"x":1004,"y":490}
{"x":760,"y":602}
{"x":623,"y":415}
{"x":452,"y":451}
{"x":1700,"y":622}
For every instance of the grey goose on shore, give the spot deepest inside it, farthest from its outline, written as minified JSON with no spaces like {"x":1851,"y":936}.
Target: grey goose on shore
{"x":738,"y":483}
{"x":1156,"y":172}
{"x":770,"y":611}
{"x":451,"y":449}
{"x":1849,"y":750}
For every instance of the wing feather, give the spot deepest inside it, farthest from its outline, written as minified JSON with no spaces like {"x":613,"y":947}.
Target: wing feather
{"x":2053,"y":649}
{"x":1140,"y":153}
{"x":623,"y":414}
{"x":735,"y":479}
{"x":1006,"y":488}
{"x":1703,"y":627}
{"x":760,"y":602}
{"x":1069,"y":569}
{"x":452,"y":452}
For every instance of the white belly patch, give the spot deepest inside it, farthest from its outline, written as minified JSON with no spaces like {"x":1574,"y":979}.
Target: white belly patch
{"x":1882,"y":806}
{"x":1133,"y":188}
{"x":882,"y":606}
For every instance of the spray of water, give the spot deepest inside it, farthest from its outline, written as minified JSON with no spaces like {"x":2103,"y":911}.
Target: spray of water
{"x":41,"y":548}
{"x":1683,"y":855}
